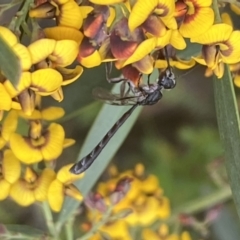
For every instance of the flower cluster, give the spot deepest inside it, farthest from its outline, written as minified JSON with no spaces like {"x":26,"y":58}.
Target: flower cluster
{"x":135,"y":199}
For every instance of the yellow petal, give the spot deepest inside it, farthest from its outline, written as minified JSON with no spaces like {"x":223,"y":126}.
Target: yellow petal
{"x":145,"y":65}
{"x":216,"y":33}
{"x":71,"y":15}
{"x":232,"y":55}
{"x":58,"y":95}
{"x":183,"y":64}
{"x":52,"y":113}
{"x":5,"y":189}
{"x":54,"y":142}
{"x":6,"y":101}
{"x":141,"y":10}
{"x":197,"y":23}
{"x":36,"y":114}
{"x":41,"y":49}
{"x":164,"y":40}
{"x":149,"y":234}
{"x":8,"y":36}
{"x":226,"y":18}
{"x":235,"y":8}
{"x":85,"y":10}
{"x":185,"y":236}
{"x":237,"y":80}
{"x":66,"y":177}
{"x":73,"y":192}
{"x":9,"y":125}
{"x":106,"y":2}
{"x":92,"y":60}
{"x":23,"y":149}
{"x":22,"y":52}
{"x":21,"y":194}
{"x":70,"y":75}
{"x":177,"y":40}
{"x":46,"y":80}
{"x":11,"y":167}
{"x":63,"y":33}
{"x":142,"y":50}
{"x":55,"y":195}
{"x":65,"y":52}
{"x":44,"y":181}
{"x":68,"y":142}
{"x":112,"y":16}
{"x":24,"y":81}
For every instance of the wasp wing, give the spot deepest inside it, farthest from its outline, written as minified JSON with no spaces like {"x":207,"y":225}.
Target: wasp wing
{"x":113,"y":99}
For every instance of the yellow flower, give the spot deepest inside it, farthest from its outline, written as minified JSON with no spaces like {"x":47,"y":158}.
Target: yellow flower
{"x":195,"y":17}
{"x":163,"y":234}
{"x":61,"y":186}
{"x":8,"y":127}
{"x":154,"y":15}
{"x":220,"y":45}
{"x":9,"y":173}
{"x":32,"y":187}
{"x":48,"y":146}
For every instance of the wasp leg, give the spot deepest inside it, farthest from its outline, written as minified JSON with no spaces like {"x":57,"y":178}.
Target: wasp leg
{"x":108,"y":68}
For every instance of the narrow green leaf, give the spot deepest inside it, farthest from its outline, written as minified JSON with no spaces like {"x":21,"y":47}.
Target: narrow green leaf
{"x":105,"y":120}
{"x":24,"y":231}
{"x":228,"y":124}
{"x":9,"y":63}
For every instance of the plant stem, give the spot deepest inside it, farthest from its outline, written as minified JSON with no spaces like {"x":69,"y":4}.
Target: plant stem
{"x":69,"y":228}
{"x":203,"y":203}
{"x":216,"y":12}
{"x":22,"y":14}
{"x":98,"y":225}
{"x":49,"y":219}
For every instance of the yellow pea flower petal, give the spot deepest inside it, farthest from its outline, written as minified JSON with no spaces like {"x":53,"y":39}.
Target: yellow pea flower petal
{"x":21,"y":194}
{"x":145,"y":65}
{"x":44,"y":181}
{"x":232,"y":55}
{"x":149,"y":234}
{"x":6,"y":101}
{"x":36,"y":114}
{"x":142,"y":50}
{"x":92,"y":60}
{"x":52,"y":113}
{"x":68,"y":142}
{"x":41,"y":49}
{"x":63,"y":33}
{"x":54,"y":142}
{"x":23,"y":149}
{"x":85,"y":10}
{"x":11,"y":167}
{"x":111,"y":17}
{"x":66,"y":177}
{"x":226,"y":18}
{"x":164,"y":40}
{"x":9,"y":125}
{"x":183,"y":64}
{"x":235,"y":8}
{"x":46,"y":80}
{"x":22,"y":52}
{"x":55,"y":195}
{"x":141,"y":10}
{"x":106,"y":2}
{"x":70,"y":15}
{"x":237,"y":80}
{"x":164,"y":209}
{"x":58,"y":95}
{"x":216,"y":33}
{"x":8,"y":36}
{"x":197,"y":23}
{"x":177,"y":40}
{"x":65,"y":52}
{"x":73,"y":192}
{"x":70,"y":75}
{"x":5,"y":189}
{"x":185,"y":236}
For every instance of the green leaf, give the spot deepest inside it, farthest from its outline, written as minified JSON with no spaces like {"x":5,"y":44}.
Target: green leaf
{"x":9,"y":63}
{"x":106,"y":119}
{"x":228,"y":124}
{"x":23,"y":232}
